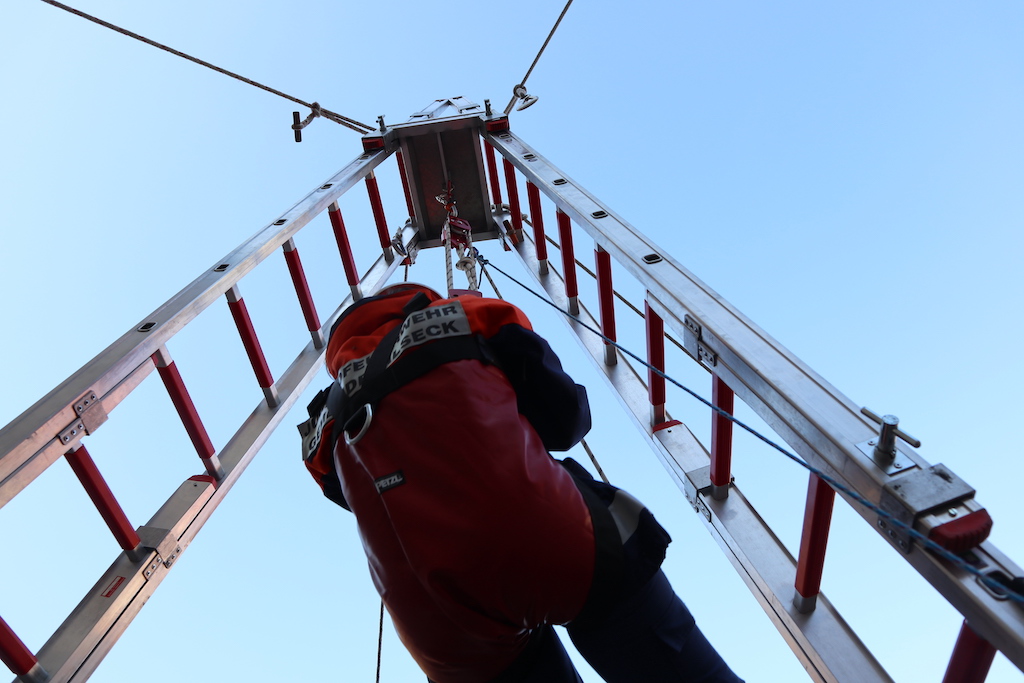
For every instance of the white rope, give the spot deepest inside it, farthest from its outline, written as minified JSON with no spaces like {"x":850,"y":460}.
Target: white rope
{"x":446,"y":243}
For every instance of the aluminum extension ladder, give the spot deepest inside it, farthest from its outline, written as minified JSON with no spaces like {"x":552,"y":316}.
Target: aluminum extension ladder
{"x":456,"y":140}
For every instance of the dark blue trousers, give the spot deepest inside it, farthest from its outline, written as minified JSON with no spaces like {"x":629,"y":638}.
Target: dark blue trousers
{"x":649,"y":637}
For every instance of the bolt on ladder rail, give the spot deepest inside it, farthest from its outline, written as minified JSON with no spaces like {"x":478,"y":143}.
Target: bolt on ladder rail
{"x":768,"y":378}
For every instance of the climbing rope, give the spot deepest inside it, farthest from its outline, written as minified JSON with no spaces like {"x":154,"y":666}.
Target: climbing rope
{"x":995,"y":586}
{"x":457,"y":234}
{"x":315,"y":108}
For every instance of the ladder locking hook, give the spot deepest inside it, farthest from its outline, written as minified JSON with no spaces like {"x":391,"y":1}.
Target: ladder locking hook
{"x":885,"y":445}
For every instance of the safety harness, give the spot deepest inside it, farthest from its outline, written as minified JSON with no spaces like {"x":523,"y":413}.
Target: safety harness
{"x":362,"y":383}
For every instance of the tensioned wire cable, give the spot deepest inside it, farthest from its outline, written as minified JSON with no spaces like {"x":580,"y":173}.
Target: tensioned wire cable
{"x":993,"y":585}
{"x":583,"y":442}
{"x":539,"y":53}
{"x":361,"y":128}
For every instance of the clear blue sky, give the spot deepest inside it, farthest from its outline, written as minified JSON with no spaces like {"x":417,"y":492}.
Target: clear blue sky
{"x":848,"y":175}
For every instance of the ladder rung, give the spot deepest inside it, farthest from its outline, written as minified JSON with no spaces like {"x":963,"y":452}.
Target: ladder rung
{"x":103,"y":498}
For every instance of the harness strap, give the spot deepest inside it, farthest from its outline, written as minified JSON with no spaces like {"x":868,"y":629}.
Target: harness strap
{"x":380,"y":379}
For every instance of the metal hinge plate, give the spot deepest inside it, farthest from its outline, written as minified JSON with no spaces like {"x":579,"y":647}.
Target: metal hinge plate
{"x":90,"y":415}
{"x":694,"y":345}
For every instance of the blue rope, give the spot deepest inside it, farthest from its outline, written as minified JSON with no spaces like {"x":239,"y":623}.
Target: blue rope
{"x":993,"y":585}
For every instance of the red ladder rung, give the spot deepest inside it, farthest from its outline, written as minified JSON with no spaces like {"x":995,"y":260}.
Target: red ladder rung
{"x":348,"y":261}
{"x":18,"y":658}
{"x":656,"y":357}
{"x":291,"y":257}
{"x":251,"y":342}
{"x":186,"y":408}
{"x":572,"y":291}
{"x":378,"y":215}
{"x":539,"y":238}
{"x":513,"y":198}
{"x":813,"y":542}
{"x":492,"y":173}
{"x":972,"y":658}
{"x":102,"y":497}
{"x":405,"y":182}
{"x":606,"y":301}
{"x":721,"y":439}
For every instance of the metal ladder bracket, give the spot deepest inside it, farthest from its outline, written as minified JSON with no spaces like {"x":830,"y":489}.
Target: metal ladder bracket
{"x":694,"y":345}
{"x":91,"y":411}
{"x":695,"y":487}
{"x":161,"y":541}
{"x":917,"y":493}
{"x":900,"y":463}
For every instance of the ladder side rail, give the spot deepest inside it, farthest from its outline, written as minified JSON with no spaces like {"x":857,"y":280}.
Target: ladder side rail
{"x":821,"y":424}
{"x":828,"y":648}
{"x":994,"y":618}
{"x":30,"y":443}
{"x":78,"y":646}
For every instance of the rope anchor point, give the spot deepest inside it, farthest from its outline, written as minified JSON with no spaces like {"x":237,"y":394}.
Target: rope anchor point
{"x":298,"y":125}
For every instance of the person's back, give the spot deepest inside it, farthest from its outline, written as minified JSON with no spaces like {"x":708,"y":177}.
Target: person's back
{"x":477,"y":539}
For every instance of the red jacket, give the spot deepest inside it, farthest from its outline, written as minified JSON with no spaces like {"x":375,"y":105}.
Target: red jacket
{"x":474,"y":534}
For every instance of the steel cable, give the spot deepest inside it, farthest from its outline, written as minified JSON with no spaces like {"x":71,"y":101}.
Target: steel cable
{"x":361,"y":128}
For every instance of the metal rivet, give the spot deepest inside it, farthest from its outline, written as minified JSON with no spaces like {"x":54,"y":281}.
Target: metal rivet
{"x":953,"y":512}
{"x":897,"y":465}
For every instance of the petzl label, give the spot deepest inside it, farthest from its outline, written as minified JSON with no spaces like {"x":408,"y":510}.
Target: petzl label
{"x":389,"y":481}
{"x":432,"y":323}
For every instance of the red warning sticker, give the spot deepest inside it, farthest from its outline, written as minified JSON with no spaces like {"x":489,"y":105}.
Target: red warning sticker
{"x":114,"y":585}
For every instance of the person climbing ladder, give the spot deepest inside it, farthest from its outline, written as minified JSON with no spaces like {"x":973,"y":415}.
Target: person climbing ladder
{"x":436,"y":434}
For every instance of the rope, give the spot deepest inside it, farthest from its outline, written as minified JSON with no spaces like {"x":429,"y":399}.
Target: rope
{"x":537,"y":58}
{"x":926,"y":542}
{"x":491,"y":280}
{"x":593,"y":459}
{"x":326,"y":113}
{"x":380,"y":639}
{"x":447,"y":246}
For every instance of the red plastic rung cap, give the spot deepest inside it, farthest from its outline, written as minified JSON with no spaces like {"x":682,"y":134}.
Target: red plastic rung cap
{"x":666,"y":425}
{"x":496,"y":125}
{"x":372,"y":144}
{"x":204,"y":478}
{"x":960,"y":535}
